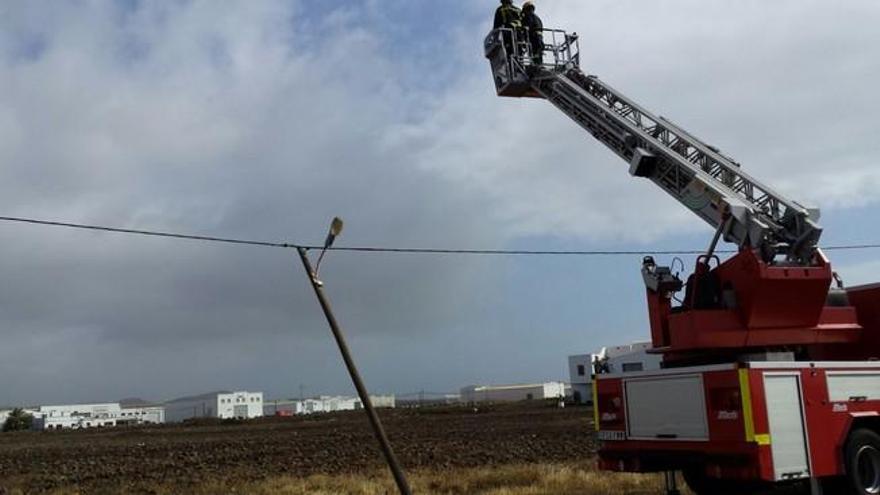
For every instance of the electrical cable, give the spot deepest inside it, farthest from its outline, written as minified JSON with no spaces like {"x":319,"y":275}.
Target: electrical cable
{"x":392,"y":250}
{"x":151,"y":233}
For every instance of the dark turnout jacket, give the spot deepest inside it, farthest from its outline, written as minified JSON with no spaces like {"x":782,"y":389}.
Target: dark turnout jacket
{"x":508,"y":16}
{"x":531,"y":21}
{"x":533,"y":24}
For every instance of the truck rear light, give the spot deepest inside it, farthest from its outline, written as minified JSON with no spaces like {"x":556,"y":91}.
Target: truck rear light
{"x":610,"y":409}
{"x":611,"y":402}
{"x":726,"y":403}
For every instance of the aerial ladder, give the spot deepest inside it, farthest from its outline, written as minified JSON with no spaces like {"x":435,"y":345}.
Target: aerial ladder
{"x":774,"y":295}
{"x":774,"y":310}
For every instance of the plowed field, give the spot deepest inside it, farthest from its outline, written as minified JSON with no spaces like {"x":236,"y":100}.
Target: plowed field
{"x":188,"y":455}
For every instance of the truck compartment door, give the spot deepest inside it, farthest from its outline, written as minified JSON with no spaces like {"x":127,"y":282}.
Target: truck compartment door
{"x":666,"y":408}
{"x":788,"y":440}
{"x":845,"y":386}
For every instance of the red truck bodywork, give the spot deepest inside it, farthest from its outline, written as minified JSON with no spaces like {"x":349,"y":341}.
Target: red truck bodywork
{"x":737,"y":441}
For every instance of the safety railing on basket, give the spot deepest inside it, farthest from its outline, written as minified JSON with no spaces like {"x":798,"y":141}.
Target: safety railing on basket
{"x":554,"y":49}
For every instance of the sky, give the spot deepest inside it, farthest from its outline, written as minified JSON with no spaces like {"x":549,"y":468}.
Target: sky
{"x":264,"y":119}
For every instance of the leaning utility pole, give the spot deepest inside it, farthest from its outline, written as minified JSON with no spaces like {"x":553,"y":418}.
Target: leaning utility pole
{"x":318,"y":286}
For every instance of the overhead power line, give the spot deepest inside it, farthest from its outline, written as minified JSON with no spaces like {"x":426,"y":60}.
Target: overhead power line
{"x":393,"y":250}
{"x":151,"y":233}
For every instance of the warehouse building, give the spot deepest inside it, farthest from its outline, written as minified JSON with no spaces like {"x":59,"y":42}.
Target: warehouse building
{"x":223,"y":405}
{"x":141,"y":415}
{"x":384,"y":401}
{"x":580,"y":372}
{"x":78,"y":416}
{"x":617,"y":359}
{"x":323,"y":404}
{"x":628,"y":358}
{"x":513,"y":393}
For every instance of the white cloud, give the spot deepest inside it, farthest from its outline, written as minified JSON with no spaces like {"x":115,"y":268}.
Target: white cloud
{"x":784,"y":87}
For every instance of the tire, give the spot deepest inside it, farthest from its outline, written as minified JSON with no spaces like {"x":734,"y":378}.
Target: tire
{"x":862,"y":458}
{"x":701,"y":484}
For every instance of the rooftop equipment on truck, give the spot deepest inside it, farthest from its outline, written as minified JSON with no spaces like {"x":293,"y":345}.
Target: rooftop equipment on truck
{"x":770,"y":372}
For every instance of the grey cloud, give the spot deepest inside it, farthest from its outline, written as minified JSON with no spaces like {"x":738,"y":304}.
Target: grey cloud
{"x":248,"y":121}
{"x":269,"y":144}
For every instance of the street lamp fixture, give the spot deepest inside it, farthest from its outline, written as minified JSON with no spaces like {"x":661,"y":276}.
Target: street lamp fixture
{"x":335,"y":229}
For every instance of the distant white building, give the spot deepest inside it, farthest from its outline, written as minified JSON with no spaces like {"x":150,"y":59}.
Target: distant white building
{"x":224,"y":405}
{"x":280,"y":407}
{"x":323,"y":404}
{"x":383,"y":401}
{"x":77,"y":416}
{"x":94,"y":415}
{"x":629,"y":358}
{"x":580,"y":372}
{"x":617,"y":359}
{"x":141,"y":415}
{"x":513,"y":393}
{"x":333,"y":404}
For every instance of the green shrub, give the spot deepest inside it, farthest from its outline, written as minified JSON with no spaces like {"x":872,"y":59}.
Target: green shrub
{"x":18,"y":420}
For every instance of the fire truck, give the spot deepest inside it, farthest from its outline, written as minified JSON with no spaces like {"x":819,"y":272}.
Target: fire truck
{"x":770,"y":373}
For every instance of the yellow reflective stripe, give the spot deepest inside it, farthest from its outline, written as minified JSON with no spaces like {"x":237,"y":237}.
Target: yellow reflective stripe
{"x":595,"y":404}
{"x":763,"y":439}
{"x":746,"y":394}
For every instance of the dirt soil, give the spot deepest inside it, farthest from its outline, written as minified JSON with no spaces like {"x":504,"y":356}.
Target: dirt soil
{"x":115,"y":458}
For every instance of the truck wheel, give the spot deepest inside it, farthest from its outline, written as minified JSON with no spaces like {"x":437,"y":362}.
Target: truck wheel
{"x":701,"y":484}
{"x":863,"y":462}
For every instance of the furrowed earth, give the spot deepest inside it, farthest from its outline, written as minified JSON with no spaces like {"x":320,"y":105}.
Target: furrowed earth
{"x":530,"y":448}
{"x":446,"y":439}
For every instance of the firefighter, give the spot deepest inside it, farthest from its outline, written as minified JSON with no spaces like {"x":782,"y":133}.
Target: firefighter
{"x":509,"y":16}
{"x":534,"y":30}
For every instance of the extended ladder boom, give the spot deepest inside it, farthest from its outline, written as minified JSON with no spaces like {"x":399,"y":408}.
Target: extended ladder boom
{"x":713,"y":186}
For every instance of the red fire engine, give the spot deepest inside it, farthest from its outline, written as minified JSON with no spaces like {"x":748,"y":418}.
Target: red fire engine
{"x":770,"y":373}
